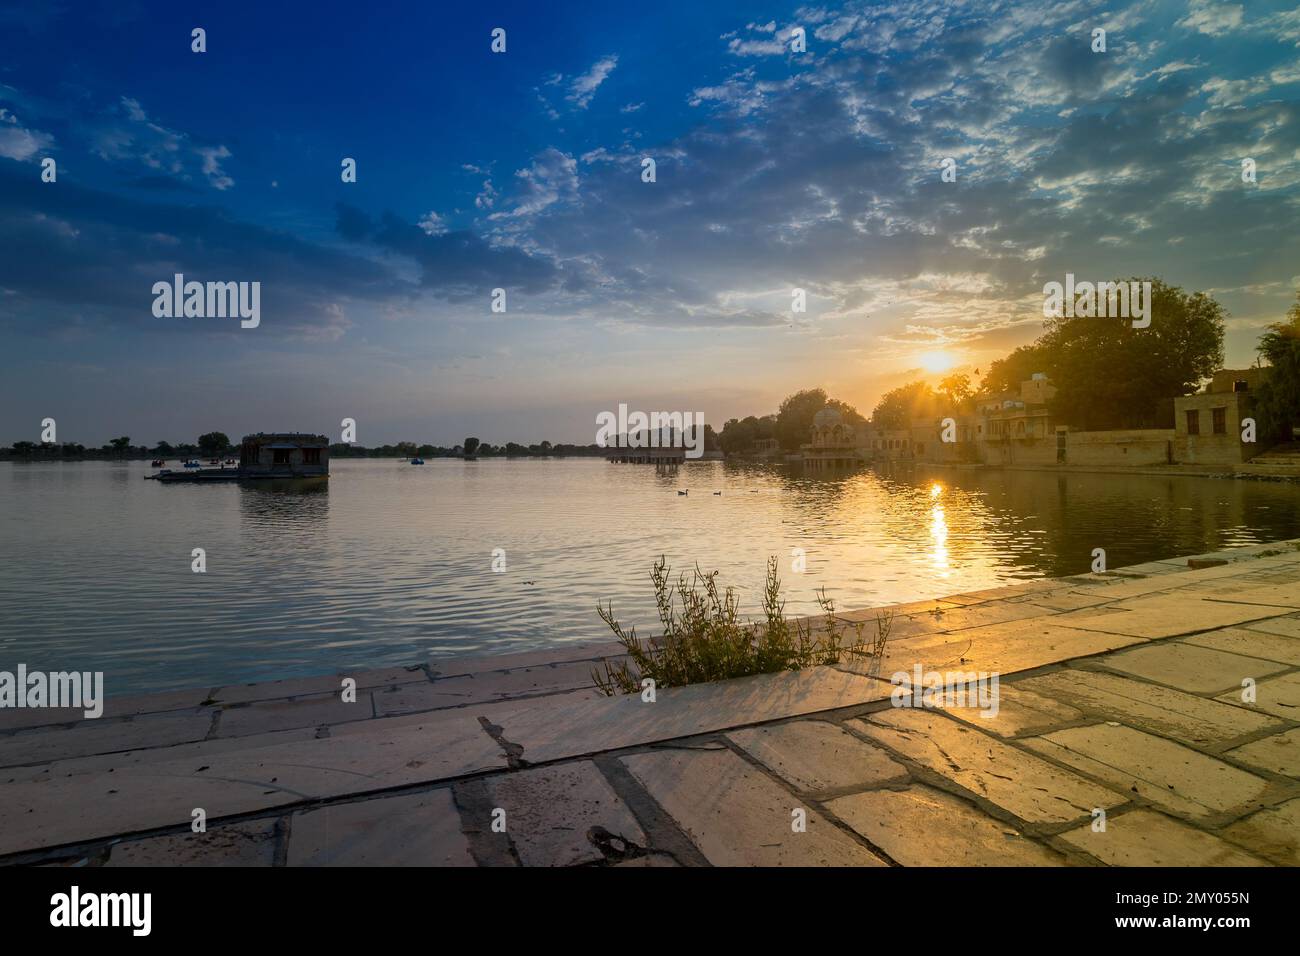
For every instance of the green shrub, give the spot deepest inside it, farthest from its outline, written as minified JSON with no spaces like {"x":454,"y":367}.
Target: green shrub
{"x":704,"y":638}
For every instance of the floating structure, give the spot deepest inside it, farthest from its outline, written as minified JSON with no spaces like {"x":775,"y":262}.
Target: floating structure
{"x":273,"y":456}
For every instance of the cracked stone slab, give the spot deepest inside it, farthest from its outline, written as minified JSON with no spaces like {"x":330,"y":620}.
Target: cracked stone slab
{"x":1171,"y":713}
{"x":1197,"y":670}
{"x":236,"y":844}
{"x":1168,"y":774}
{"x":90,"y":805}
{"x":90,"y":737}
{"x":1169,"y":615}
{"x":420,"y":829}
{"x":1018,"y":782}
{"x":739,"y":816}
{"x":1273,"y":834}
{"x":1248,"y":643}
{"x":1279,"y":753}
{"x":1279,"y":696}
{"x":19,"y":718}
{"x":1020,"y":712}
{"x":552,"y":729}
{"x":921,"y":826}
{"x":814,"y":756}
{"x":562,"y":654}
{"x":324,"y":684}
{"x":551,"y":813}
{"x":1146,"y":838}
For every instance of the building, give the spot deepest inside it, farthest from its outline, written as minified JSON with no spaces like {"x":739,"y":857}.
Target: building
{"x":834,"y":442}
{"x":1208,"y":426}
{"x":284,"y":455}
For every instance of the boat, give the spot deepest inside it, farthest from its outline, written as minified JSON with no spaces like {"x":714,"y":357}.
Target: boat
{"x":157,"y":463}
{"x":417,"y":461}
{"x":192,"y":464}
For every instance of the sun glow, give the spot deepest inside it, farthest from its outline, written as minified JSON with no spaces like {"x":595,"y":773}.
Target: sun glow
{"x":936,"y":361}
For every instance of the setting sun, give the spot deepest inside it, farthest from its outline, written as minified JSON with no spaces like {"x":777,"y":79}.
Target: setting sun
{"x":936,"y":361}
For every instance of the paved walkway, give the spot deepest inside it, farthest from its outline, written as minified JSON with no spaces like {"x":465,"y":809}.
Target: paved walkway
{"x":1121,"y":703}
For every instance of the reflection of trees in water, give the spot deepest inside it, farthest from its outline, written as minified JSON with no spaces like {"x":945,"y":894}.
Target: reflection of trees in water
{"x":288,"y":505}
{"x":1043,"y":522}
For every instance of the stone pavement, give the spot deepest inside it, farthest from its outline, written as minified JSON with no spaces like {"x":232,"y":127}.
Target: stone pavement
{"x":1121,"y":701}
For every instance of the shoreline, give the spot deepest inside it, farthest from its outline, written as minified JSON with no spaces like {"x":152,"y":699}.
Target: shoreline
{"x":287,"y":772}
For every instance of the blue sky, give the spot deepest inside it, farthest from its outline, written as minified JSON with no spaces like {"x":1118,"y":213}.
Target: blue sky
{"x":775,"y":170}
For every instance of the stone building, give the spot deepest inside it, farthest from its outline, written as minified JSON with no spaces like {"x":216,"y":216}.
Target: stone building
{"x":284,"y":455}
{"x":834,"y":442}
{"x":1208,"y":425}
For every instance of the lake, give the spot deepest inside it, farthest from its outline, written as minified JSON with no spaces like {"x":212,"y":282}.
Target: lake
{"x":392,"y":563}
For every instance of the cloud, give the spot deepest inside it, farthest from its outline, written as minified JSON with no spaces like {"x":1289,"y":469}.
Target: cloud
{"x":1212,"y":18}
{"x":584,"y":87}
{"x":19,"y":143}
{"x":127,"y":134}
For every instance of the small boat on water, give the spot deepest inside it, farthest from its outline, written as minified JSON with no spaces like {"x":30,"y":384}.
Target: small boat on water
{"x":417,"y":461}
{"x":192,"y":464}
{"x":157,"y":463}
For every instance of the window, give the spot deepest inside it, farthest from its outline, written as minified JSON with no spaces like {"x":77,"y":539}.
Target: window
{"x":311,"y":456}
{"x":1220,"y":420}
{"x":281,"y":456}
{"x":1193,"y":422}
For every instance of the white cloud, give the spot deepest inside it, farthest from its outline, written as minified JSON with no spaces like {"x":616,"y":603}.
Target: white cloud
{"x":19,"y":143}
{"x":433,"y":224}
{"x":1212,"y":18}
{"x":584,"y":87}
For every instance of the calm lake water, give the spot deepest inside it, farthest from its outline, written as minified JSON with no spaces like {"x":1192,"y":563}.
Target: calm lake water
{"x":392,"y":563}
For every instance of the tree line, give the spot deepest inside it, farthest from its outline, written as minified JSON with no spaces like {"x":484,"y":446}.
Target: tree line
{"x":1107,"y":375}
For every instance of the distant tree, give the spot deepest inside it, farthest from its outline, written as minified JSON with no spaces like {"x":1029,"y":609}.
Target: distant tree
{"x":471,"y":446}
{"x":24,"y":448}
{"x":1278,"y":397}
{"x":213,"y":444}
{"x":795,"y":417}
{"x":120,"y":446}
{"x":900,"y":406}
{"x":1005,"y":374}
{"x":1110,"y":375}
{"x":164,"y":450}
{"x":956,"y":389}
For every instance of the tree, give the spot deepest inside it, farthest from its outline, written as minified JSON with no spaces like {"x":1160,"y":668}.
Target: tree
{"x":213,"y":444}
{"x":1278,"y":396}
{"x":1110,"y":375}
{"x":898,"y":407}
{"x":471,"y":446}
{"x":121,"y":445}
{"x":1005,"y":374}
{"x":164,"y":450}
{"x":956,"y":389}
{"x":795,"y":417}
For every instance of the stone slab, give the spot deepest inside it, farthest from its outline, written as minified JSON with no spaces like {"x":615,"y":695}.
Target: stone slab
{"x":151,"y":795}
{"x":814,"y":756}
{"x":1288,"y":626}
{"x":90,"y":737}
{"x":484,"y":687}
{"x":1171,"y":713}
{"x":1169,"y":615}
{"x":1279,"y":753}
{"x":1145,"y":838}
{"x":1273,"y":834}
{"x":1197,"y":670}
{"x":737,"y":815}
{"x":921,"y":826}
{"x":1279,"y":696}
{"x":268,"y":716}
{"x":1274,"y":595}
{"x":236,"y":844}
{"x":552,"y":729}
{"x":1018,"y":782}
{"x":1167,"y":774}
{"x":1020,"y":712}
{"x":551,"y":813}
{"x":421,"y":829}
{"x":1248,"y":643}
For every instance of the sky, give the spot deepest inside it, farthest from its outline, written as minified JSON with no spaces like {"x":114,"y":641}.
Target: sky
{"x":775,"y":170}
